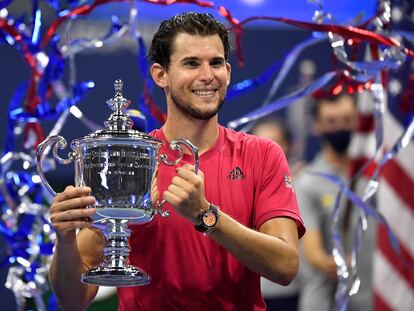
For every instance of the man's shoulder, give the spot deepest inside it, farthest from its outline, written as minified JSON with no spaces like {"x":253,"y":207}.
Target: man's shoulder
{"x":233,"y":135}
{"x":155,"y":133}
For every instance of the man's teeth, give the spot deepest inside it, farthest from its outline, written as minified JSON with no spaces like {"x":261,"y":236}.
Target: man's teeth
{"x":204,"y":93}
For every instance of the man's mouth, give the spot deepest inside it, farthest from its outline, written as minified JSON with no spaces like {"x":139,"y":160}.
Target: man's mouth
{"x":204,"y":92}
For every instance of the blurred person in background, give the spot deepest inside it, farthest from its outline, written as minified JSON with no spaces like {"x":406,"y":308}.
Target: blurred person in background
{"x":274,"y":128}
{"x":334,"y":120}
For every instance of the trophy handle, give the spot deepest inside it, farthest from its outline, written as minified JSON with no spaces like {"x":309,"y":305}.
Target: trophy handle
{"x":175,"y":145}
{"x":58,"y":142}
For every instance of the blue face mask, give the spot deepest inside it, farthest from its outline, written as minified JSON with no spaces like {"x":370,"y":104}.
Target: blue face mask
{"x":339,"y":140}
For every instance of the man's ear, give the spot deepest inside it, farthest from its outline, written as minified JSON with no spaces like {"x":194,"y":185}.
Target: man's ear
{"x":228,"y":73}
{"x":159,"y":75}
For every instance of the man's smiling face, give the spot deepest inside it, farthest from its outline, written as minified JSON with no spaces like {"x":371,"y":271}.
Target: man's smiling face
{"x":198,"y":75}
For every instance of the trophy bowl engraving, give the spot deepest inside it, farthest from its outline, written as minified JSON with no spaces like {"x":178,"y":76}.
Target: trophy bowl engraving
{"x":120,"y":178}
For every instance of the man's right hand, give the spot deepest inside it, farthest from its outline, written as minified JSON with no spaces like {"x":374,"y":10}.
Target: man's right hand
{"x":74,"y":253}
{"x":68,"y":212}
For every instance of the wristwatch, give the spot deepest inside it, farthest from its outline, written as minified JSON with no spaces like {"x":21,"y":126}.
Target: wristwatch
{"x":208,"y":219}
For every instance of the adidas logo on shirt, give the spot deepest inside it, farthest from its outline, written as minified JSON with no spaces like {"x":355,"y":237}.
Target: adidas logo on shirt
{"x":236,"y":173}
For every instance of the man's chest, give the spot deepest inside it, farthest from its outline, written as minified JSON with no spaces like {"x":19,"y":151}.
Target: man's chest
{"x":228,"y":183}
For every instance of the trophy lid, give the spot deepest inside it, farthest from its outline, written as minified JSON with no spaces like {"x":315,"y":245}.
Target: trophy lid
{"x":119,"y":124}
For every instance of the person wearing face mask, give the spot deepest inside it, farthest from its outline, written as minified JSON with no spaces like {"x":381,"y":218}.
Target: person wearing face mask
{"x":334,"y":120}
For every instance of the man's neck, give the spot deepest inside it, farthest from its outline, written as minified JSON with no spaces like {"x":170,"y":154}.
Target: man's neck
{"x":339,"y":161}
{"x":202,"y":133}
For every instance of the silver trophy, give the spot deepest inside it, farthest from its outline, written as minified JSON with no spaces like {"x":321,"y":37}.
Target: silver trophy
{"x":118,"y":163}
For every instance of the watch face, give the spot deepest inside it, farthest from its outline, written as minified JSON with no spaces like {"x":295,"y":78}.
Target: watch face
{"x":209,"y":219}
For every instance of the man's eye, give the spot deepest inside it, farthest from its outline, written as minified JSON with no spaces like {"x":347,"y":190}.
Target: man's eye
{"x":191,"y":64}
{"x":217,"y":63}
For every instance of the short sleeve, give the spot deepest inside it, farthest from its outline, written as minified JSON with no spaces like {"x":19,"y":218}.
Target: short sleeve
{"x":275,"y":194}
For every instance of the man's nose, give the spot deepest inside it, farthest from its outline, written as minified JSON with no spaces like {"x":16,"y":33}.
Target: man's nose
{"x":206,"y":73}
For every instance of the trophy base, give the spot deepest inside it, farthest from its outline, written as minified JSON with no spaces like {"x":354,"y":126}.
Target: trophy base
{"x":116,"y":276}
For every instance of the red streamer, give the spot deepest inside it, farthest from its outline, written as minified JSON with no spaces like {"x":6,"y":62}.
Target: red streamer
{"x":88,"y":8}
{"x":238,"y":29}
{"x":15,"y":34}
{"x":343,"y":82}
{"x":82,"y":10}
{"x":153,"y":108}
{"x":32,"y":98}
{"x":208,"y":4}
{"x":348,"y":32}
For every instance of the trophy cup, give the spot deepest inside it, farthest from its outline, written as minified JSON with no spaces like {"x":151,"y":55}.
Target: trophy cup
{"x":118,"y":164}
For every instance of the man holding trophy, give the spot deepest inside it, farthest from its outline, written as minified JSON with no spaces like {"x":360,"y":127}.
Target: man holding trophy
{"x":234,"y":219}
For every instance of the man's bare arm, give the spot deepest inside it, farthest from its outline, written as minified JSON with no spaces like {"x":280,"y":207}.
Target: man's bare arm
{"x":272,"y":252}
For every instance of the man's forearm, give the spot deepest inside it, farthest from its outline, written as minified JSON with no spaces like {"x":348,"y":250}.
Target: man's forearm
{"x":264,"y":254}
{"x":65,"y":272}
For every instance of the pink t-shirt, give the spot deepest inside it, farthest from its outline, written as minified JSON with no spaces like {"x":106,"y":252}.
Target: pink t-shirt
{"x":249,"y":179}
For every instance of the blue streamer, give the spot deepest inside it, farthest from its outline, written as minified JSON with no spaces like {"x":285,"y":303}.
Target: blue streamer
{"x":339,"y":256}
{"x":114,"y":30}
{"x":18,"y":24}
{"x":151,"y":123}
{"x":144,"y":65}
{"x":283,"y":102}
{"x":289,"y":61}
{"x":17,"y":98}
{"x":55,"y":4}
{"x":52,"y":305}
{"x":4,"y":3}
{"x":408,"y":35}
{"x":249,"y":84}
{"x":44,"y":111}
{"x":53,"y":70}
{"x":36,"y":24}
{"x":6,"y":231}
